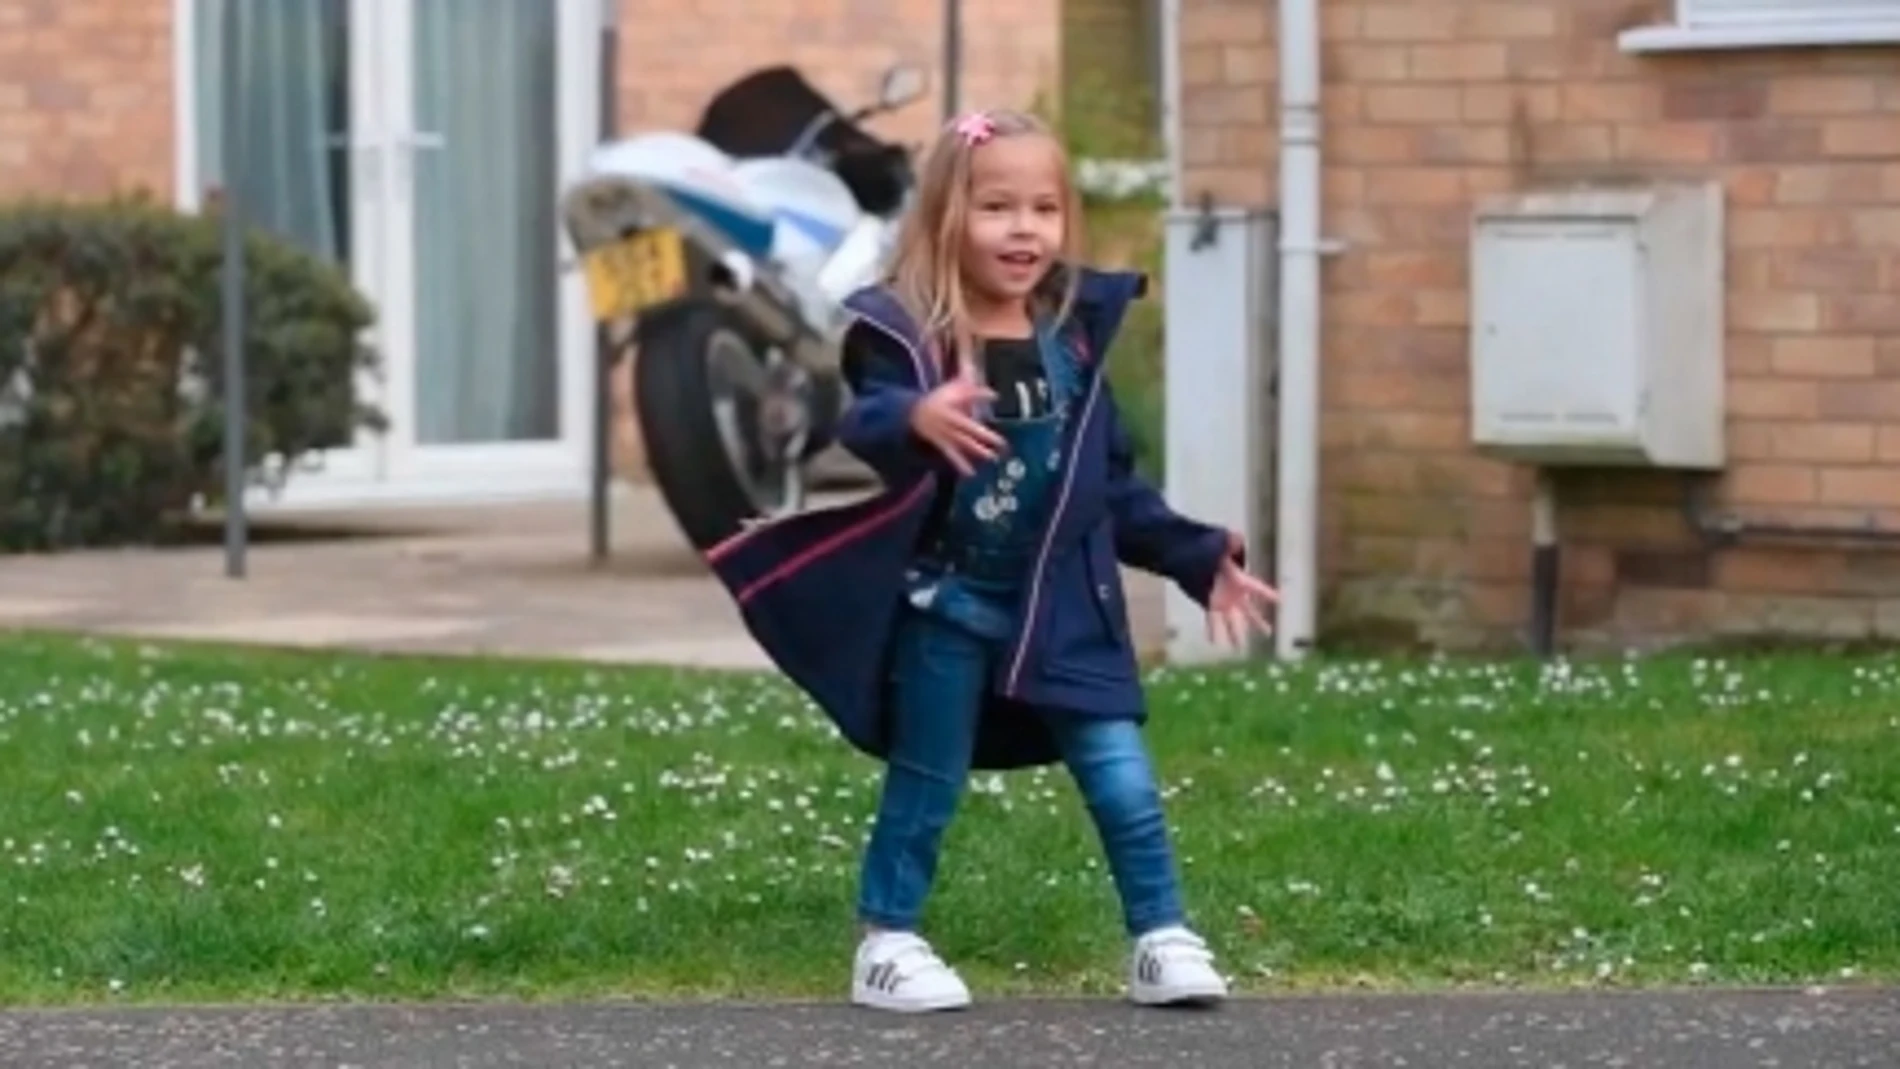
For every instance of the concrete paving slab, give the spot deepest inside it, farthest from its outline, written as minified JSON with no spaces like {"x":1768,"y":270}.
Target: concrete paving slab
{"x":28,"y":610}
{"x":1683,"y":1030}
{"x":493,"y":581}
{"x":314,"y":629}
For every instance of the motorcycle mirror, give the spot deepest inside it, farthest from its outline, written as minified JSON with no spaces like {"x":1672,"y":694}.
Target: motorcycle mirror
{"x":901,"y":84}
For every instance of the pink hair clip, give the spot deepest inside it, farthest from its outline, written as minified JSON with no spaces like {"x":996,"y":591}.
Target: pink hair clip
{"x":975,"y":128}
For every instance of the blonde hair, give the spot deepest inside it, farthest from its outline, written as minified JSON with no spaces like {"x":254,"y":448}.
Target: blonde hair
{"x":926,"y":274}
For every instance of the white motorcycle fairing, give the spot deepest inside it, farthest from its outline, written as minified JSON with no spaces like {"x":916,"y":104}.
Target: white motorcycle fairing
{"x":696,"y":175}
{"x":798,"y":217}
{"x":814,"y":216}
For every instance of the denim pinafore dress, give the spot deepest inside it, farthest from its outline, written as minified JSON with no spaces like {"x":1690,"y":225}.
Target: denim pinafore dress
{"x":971,"y":571}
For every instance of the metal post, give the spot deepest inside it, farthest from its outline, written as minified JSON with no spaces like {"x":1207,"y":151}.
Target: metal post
{"x":236,"y":526}
{"x":952,"y":58}
{"x":1546,"y":552}
{"x":599,"y":521}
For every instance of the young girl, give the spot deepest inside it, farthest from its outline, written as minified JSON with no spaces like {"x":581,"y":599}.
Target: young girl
{"x":971,"y":615}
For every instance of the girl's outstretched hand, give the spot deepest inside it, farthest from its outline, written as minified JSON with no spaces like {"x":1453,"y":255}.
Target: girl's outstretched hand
{"x":1235,"y":604}
{"x":943,"y":418}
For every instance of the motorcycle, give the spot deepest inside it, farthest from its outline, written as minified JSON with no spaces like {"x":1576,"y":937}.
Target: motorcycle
{"x":724,"y":256}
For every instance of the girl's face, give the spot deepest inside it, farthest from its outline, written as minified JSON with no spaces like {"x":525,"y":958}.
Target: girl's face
{"x":1015,"y":224}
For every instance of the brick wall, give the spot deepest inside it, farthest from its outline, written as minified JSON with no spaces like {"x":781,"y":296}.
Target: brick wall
{"x":676,"y":53}
{"x":86,"y":86}
{"x":1432,"y":103}
{"x":85,"y":96}
{"x":1228,"y":65}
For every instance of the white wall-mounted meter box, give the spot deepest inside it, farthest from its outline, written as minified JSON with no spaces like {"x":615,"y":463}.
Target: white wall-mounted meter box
{"x":1597,"y":327}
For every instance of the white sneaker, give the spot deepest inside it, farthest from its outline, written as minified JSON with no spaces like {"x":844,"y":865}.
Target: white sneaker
{"x":897,"y":971}
{"x":1173,"y":967}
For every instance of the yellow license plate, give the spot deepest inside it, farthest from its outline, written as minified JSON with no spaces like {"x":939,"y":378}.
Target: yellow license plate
{"x":635,"y":273}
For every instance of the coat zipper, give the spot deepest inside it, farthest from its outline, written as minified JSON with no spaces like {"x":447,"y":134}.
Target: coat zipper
{"x":1048,"y":543}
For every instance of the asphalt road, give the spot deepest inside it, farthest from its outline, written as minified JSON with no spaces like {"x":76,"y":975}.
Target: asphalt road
{"x":1689,"y":1030}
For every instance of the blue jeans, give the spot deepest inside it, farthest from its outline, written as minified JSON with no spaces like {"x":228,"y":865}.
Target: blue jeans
{"x":942,"y":676}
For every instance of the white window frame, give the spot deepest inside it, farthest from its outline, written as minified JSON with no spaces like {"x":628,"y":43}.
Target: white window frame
{"x":397,"y":470}
{"x":1796,"y":25}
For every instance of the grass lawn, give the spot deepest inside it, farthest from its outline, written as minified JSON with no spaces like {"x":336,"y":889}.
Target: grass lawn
{"x":193,"y":823}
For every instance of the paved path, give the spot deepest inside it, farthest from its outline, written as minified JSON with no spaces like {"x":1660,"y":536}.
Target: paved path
{"x":1703,"y":1030}
{"x":510,"y":580}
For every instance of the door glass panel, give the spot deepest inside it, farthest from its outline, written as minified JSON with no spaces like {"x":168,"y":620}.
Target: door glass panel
{"x":484,"y":209}
{"x":294,"y":74}
{"x":293,"y":174}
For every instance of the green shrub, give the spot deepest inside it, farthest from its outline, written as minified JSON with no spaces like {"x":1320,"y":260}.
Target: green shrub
{"x":1140,"y":389}
{"x":1109,"y":123}
{"x":111,"y":413}
{"x":1128,"y":234}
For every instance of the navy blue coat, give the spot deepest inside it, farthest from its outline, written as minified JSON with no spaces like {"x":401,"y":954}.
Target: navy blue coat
{"x":821,"y":590}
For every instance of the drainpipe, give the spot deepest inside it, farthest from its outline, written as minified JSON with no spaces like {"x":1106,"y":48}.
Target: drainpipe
{"x":952,"y":59}
{"x":1296,"y":528}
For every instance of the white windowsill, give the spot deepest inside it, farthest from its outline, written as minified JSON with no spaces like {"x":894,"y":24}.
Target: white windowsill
{"x":1761,"y":35}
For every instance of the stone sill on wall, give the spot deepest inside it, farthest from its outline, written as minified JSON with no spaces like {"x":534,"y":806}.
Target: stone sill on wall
{"x":1675,"y":38}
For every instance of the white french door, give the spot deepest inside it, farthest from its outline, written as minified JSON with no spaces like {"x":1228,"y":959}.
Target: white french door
{"x":423,"y":144}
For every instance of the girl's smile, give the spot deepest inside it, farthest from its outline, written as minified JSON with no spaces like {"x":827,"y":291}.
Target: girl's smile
{"x":1021,"y":270}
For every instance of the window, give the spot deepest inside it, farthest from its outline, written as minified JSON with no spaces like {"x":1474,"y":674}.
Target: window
{"x":295,"y":75}
{"x":1719,"y":24}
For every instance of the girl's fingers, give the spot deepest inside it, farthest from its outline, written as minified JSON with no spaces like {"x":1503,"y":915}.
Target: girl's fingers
{"x":976,"y":447}
{"x":1249,"y":583}
{"x":976,"y":431}
{"x":972,"y":450}
{"x":962,"y":441}
{"x":964,"y":393}
{"x":963,"y":451}
{"x":1229,"y":622}
{"x":1221,"y":629}
{"x":976,"y":443}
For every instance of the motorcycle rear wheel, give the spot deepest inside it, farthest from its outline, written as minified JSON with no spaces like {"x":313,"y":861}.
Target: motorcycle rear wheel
{"x":727,"y":424}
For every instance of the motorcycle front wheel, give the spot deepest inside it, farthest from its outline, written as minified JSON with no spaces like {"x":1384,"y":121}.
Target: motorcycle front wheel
{"x":728,"y":421}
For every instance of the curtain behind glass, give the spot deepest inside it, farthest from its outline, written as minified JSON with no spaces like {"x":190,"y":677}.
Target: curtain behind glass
{"x":295,"y":79}
{"x":485,"y":221}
